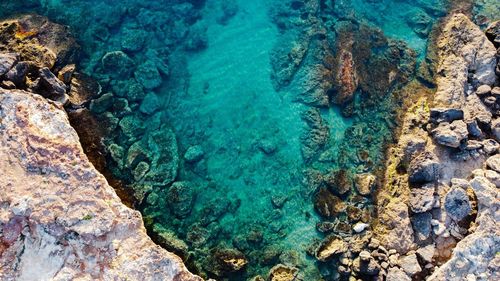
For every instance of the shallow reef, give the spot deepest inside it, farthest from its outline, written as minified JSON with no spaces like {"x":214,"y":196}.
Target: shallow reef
{"x":252,"y":135}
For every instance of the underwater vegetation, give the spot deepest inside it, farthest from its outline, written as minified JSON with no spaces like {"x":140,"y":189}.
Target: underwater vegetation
{"x":251,"y":134}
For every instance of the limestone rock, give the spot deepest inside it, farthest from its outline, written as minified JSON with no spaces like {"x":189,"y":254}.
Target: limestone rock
{"x":329,"y":247}
{"x":282,"y":272}
{"x":64,"y":207}
{"x":457,"y":204}
{"x":7,"y":61}
{"x":410,"y":264}
{"x":494,"y":163}
{"x":451,"y":134}
{"x":422,"y":199}
{"x":400,"y":235}
{"x":365,"y":183}
{"x":396,"y":274}
{"x":462,"y":47}
{"x":424,"y":168}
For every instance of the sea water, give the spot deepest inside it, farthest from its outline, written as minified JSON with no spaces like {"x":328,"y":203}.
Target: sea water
{"x":212,"y":87}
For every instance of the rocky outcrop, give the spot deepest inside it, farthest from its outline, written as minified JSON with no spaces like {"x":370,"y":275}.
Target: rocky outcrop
{"x":442,"y":175}
{"x":59,"y":218}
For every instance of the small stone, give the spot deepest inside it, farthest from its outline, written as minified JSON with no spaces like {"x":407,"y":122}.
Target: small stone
{"x":490,"y":146}
{"x":483,"y":90}
{"x":457,"y":204}
{"x":410,"y":264}
{"x":384,"y":265}
{"x":396,"y":274}
{"x":365,"y":256}
{"x":360,"y":227}
{"x":422,"y":199}
{"x":439,"y":229}
{"x":427,"y":253}
{"x":494,"y":163}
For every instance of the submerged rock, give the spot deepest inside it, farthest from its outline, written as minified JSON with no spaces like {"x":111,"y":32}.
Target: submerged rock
{"x":329,"y":247}
{"x":180,"y":198}
{"x":282,"y":272}
{"x":327,"y":204}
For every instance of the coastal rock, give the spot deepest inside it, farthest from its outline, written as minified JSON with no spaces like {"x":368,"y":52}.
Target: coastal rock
{"x":427,"y":253}
{"x":410,"y":264}
{"x":439,"y":115}
{"x":424,"y":168}
{"x":77,"y":212}
{"x":494,"y":163}
{"x":7,"y":61}
{"x":396,"y":274}
{"x":457,"y":204}
{"x":422,"y":199}
{"x":400,"y":235}
{"x":451,"y":134}
{"x":365,"y":183}
{"x":282,"y":272}
{"x":329,"y":247}
{"x":365,"y":267}
{"x":327,"y":204}
{"x":50,"y":86}
{"x":462,"y":48}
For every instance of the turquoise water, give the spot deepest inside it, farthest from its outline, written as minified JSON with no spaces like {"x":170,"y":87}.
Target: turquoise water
{"x":222,"y":122}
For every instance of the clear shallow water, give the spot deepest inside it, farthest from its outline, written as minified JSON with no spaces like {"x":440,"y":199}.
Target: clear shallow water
{"x":248,"y":191}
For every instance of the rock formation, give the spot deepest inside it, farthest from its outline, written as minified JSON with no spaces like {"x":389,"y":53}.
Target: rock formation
{"x":59,"y":217}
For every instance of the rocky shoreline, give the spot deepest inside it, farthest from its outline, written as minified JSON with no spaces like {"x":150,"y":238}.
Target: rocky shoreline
{"x":59,"y":217}
{"x":437,"y":205}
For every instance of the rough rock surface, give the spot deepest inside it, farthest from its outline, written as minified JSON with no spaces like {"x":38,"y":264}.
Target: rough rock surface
{"x":59,"y":218}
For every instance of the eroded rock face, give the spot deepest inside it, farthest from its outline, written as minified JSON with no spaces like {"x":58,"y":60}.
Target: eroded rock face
{"x":57,"y":211}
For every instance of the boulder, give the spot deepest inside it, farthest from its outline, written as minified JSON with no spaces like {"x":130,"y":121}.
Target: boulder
{"x":327,"y":204}
{"x":331,"y":246}
{"x":422,"y":199}
{"x":439,"y":115}
{"x":400,"y":235}
{"x":180,"y":198}
{"x":118,"y":65}
{"x":148,"y":76}
{"x":7,"y":61}
{"x":396,"y":274}
{"x":282,"y":272}
{"x":451,"y":134}
{"x":365,"y":183}
{"x":365,"y":267}
{"x":17,"y":74}
{"x":494,"y":163}
{"x":421,"y":226}
{"x":50,"y":86}
{"x":424,"y":168}
{"x":427,"y":253}
{"x":410,"y":264}
{"x":194,"y":154}
{"x":457,"y":204}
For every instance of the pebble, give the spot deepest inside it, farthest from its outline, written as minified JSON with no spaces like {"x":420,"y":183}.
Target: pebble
{"x":360,"y":227}
{"x":365,"y":256}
